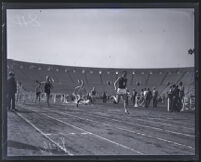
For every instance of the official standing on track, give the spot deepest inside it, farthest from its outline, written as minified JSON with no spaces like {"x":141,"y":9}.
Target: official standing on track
{"x":12,"y":89}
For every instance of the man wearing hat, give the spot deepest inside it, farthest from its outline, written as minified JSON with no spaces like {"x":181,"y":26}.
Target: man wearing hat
{"x":12,"y":89}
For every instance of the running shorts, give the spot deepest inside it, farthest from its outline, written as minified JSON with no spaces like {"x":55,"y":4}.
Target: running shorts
{"x":121,"y":91}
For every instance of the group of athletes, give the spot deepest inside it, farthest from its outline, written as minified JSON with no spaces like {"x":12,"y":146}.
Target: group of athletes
{"x":175,"y":95}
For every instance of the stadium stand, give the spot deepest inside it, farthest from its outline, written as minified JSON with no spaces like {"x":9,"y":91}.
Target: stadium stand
{"x":101,"y":78}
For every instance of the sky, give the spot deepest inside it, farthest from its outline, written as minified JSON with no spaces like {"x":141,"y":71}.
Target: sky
{"x":105,"y":38}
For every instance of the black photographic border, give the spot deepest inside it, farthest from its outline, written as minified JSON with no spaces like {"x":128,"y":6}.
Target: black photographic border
{"x":6,"y":6}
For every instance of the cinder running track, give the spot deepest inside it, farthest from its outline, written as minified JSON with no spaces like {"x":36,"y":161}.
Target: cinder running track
{"x":36,"y":130}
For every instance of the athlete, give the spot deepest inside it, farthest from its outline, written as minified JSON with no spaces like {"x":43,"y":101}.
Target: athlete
{"x":48,"y":85}
{"x":79,"y":92}
{"x":93,"y":95}
{"x":38,"y":91}
{"x":121,"y":90}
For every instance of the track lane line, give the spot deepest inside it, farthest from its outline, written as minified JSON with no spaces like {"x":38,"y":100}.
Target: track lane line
{"x":43,"y":134}
{"x":142,"y":134}
{"x":98,"y":136}
{"x":186,"y":127}
{"x":132,"y":117}
{"x":141,"y":125}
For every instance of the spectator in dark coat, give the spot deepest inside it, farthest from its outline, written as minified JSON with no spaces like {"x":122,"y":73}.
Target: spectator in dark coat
{"x":149,"y":95}
{"x":155,"y":96}
{"x":12,"y":89}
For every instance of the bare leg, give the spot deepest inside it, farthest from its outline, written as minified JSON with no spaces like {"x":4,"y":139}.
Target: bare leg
{"x":48,"y":96}
{"x":125,"y":103}
{"x":116,"y":99}
{"x":39,"y":98}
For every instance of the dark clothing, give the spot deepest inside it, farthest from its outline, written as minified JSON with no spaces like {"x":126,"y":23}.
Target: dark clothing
{"x":104,"y":97}
{"x":47,"y":87}
{"x":122,"y":83}
{"x":38,"y":93}
{"x":133,"y":97}
{"x":149,"y":96}
{"x":12,"y":85}
{"x":155,"y":95}
{"x":12,"y":89}
{"x":170,"y":96}
{"x":93,"y":93}
{"x":176,"y":102}
{"x":181,"y":92}
{"x":11,"y":101}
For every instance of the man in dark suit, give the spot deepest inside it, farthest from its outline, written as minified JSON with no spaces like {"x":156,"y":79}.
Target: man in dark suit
{"x":12,"y":89}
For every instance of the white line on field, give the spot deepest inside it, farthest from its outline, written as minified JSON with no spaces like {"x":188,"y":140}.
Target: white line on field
{"x":156,"y":128}
{"x":142,"y":134}
{"x":165,"y":124}
{"x":64,"y":134}
{"x":148,"y":121}
{"x":43,"y":134}
{"x":98,"y":136}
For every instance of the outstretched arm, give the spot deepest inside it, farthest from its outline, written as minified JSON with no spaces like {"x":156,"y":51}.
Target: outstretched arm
{"x":115,"y":83}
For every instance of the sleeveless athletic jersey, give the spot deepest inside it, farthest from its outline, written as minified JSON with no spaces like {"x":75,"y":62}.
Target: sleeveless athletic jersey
{"x":122,"y":83}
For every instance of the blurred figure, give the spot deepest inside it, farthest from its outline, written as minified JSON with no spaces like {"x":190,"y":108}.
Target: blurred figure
{"x":155,"y":96}
{"x":149,"y":96}
{"x":176,"y":103}
{"x":121,"y":91}
{"x":19,"y":92}
{"x":181,"y":95}
{"x":12,"y":89}
{"x":133,"y":97}
{"x":47,"y":88}
{"x":138,"y":100}
{"x":80,"y":92}
{"x":38,"y":91}
{"x":127,"y":96}
{"x":142,"y":98}
{"x":104,"y":97}
{"x":146,"y":99}
{"x":163,"y":98}
{"x":170,"y":98}
{"x":93,"y":95}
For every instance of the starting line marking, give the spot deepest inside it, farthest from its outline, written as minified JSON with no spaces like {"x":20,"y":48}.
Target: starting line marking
{"x":43,"y":134}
